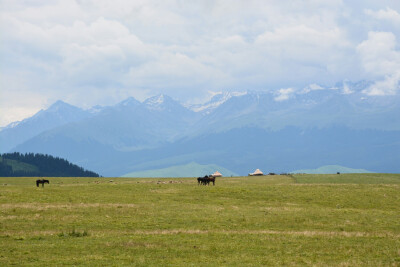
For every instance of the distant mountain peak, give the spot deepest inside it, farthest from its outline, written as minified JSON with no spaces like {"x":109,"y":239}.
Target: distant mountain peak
{"x":156,"y":100}
{"x":130,"y":101}
{"x":59,"y":104}
{"x":160,"y":102}
{"x":59,"y":113}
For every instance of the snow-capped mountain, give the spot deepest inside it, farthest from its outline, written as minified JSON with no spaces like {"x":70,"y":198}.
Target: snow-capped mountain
{"x":136,"y":135}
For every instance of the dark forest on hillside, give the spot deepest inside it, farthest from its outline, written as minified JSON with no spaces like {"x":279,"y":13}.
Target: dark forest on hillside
{"x":31,"y":164}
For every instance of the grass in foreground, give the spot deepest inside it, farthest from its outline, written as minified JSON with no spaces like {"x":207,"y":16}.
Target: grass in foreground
{"x":349,"y":219}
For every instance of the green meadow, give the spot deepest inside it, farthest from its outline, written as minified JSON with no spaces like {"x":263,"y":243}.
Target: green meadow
{"x":319,"y":220}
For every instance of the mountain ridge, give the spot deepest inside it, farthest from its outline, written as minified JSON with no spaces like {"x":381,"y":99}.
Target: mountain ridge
{"x":145,"y":129}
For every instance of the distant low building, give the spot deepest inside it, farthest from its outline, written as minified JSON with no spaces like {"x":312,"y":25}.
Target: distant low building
{"x":256,"y":173}
{"x":216,"y":174}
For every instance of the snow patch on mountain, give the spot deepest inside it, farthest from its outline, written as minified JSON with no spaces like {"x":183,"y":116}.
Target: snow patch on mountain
{"x":312,"y":87}
{"x":96,"y":109}
{"x":156,"y":102}
{"x":11,"y":125}
{"x":216,"y":100}
{"x":284,"y":94}
{"x":162,"y":102}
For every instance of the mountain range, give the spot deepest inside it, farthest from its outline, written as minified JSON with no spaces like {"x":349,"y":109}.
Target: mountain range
{"x":276,"y":131}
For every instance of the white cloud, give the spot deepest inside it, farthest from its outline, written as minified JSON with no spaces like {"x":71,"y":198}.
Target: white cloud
{"x":389,"y":86}
{"x":284,"y":94}
{"x":312,"y":87}
{"x":24,"y":101}
{"x":378,"y":54}
{"x":346,"y":89}
{"x":380,"y":58}
{"x":385,"y":14}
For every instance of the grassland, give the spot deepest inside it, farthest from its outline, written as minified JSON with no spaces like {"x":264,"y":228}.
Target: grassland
{"x":320,"y":220}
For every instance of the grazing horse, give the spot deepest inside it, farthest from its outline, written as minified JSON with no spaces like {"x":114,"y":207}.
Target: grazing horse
{"x":42,"y":181}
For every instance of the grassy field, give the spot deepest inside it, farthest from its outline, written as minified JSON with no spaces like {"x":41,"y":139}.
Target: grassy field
{"x":320,"y":220}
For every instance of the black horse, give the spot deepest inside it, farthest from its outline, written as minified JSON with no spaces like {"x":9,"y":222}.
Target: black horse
{"x":206,"y":180}
{"x":42,"y":181}
{"x":202,"y":180}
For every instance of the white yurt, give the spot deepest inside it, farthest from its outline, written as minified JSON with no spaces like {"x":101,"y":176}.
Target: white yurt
{"x":217,"y":174}
{"x":256,"y":172}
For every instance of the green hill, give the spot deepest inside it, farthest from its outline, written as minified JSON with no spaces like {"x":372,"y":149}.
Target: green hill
{"x":32,"y":165}
{"x":18,"y":166}
{"x":331,"y":169}
{"x":192,"y":169}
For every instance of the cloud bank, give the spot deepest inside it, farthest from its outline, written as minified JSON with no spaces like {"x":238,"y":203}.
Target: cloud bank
{"x":100,"y":52}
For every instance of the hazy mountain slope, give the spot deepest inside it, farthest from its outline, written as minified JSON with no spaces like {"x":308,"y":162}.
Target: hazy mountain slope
{"x":242,"y":150}
{"x":188,"y":170}
{"x":318,"y":108}
{"x":129,"y":125}
{"x":331,"y":169}
{"x":57,"y":114}
{"x":239,"y":150}
{"x":84,"y":152}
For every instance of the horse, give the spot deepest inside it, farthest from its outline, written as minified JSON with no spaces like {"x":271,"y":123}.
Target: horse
{"x":211,"y":179}
{"x":42,"y":181}
{"x":202,"y":180}
{"x":206,"y":180}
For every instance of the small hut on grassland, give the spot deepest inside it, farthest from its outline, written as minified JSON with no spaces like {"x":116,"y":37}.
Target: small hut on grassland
{"x":216,"y":174}
{"x":256,"y":173}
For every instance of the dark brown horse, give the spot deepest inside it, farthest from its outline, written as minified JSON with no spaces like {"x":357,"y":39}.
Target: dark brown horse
{"x":42,"y":181}
{"x":211,"y":179}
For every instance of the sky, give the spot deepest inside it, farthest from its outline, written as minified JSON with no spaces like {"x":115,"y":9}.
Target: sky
{"x":98,"y":52}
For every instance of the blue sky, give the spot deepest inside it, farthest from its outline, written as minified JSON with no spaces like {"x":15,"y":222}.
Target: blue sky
{"x":100,"y":52}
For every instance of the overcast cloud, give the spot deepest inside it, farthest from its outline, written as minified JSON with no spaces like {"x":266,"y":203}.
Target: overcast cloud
{"x":89,"y":52}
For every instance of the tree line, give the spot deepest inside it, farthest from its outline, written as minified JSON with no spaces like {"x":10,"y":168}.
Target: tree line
{"x":46,"y":165}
